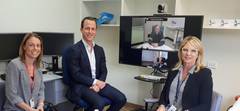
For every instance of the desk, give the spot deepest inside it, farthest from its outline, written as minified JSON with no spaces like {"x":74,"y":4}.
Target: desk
{"x":149,"y":46}
{"x":51,"y":77}
{"x":1,"y":81}
{"x":157,"y":87}
{"x":55,"y":89}
{"x":150,"y":80}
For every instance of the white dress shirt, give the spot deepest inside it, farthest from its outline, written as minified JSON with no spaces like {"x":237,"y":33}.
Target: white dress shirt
{"x":92,"y":60}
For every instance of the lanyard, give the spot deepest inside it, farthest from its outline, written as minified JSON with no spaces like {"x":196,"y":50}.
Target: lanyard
{"x":179,"y":85}
{"x":31,"y":84}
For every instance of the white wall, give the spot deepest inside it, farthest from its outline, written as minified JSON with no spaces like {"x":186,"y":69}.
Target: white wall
{"x":39,"y":15}
{"x":222,"y":46}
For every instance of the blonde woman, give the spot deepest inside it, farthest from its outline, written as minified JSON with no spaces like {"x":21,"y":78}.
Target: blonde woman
{"x":24,"y":83}
{"x":189,"y":85}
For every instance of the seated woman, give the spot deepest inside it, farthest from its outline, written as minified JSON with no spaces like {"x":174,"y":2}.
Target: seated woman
{"x":24,"y":82}
{"x":189,"y":85}
{"x":156,"y":36}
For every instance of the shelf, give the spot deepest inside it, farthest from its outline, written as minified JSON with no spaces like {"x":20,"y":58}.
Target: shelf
{"x":95,"y":7}
{"x":213,"y":9}
{"x":211,"y":27}
{"x":109,"y":25}
{"x":99,"y":0}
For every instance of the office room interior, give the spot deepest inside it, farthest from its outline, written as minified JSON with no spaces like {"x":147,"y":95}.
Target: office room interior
{"x":221,"y":44}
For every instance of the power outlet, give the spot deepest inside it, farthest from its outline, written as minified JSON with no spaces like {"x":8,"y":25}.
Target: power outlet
{"x":212,"y":64}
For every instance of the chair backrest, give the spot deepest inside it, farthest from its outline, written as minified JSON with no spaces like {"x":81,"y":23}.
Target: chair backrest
{"x":216,"y":101}
{"x":67,"y":78}
{"x":65,"y":65}
{"x":2,"y":95}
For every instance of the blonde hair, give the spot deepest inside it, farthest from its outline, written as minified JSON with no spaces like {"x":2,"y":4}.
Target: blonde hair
{"x":22,"y":52}
{"x":196,"y":43}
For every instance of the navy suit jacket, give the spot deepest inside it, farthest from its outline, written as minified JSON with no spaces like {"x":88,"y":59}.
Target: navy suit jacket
{"x":79,"y":65}
{"x":197,"y":94}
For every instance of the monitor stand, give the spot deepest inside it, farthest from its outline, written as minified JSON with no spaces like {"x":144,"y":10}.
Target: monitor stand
{"x":157,"y":89}
{"x":158,"y":70}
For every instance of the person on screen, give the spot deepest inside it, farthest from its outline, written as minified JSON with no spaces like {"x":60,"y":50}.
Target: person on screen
{"x":156,"y":36}
{"x":24,"y":82}
{"x":189,"y":85}
{"x":88,"y":71}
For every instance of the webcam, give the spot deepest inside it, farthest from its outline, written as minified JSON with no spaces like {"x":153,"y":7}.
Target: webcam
{"x":161,"y":8}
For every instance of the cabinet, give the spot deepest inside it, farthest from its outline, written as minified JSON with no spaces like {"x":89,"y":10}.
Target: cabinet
{"x":211,"y":9}
{"x":55,"y":89}
{"x":156,"y":89}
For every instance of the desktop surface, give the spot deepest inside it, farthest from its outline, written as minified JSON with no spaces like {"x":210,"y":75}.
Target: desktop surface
{"x":47,"y":76}
{"x":151,"y":47}
{"x":151,"y":78}
{"x":48,"y":70}
{"x":51,"y":76}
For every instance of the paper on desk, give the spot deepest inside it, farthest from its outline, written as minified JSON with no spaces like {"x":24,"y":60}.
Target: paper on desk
{"x":151,"y":100}
{"x":236,"y":106}
{"x":149,"y":46}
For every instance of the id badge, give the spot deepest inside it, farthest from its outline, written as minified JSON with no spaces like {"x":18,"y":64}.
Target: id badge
{"x":172,"y":108}
{"x":32,"y":104}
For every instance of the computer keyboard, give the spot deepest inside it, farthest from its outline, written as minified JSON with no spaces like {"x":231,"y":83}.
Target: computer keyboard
{"x":152,"y":77}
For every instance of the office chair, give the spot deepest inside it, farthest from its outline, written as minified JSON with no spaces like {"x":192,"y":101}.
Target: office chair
{"x":216,"y":101}
{"x":2,"y":95}
{"x":79,"y":102}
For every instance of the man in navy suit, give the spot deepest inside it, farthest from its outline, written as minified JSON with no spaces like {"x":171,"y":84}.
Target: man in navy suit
{"x":88,"y":71}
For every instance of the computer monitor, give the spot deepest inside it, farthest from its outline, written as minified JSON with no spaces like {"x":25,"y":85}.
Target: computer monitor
{"x":54,"y":44}
{"x":9,"y":45}
{"x":139,"y":46}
